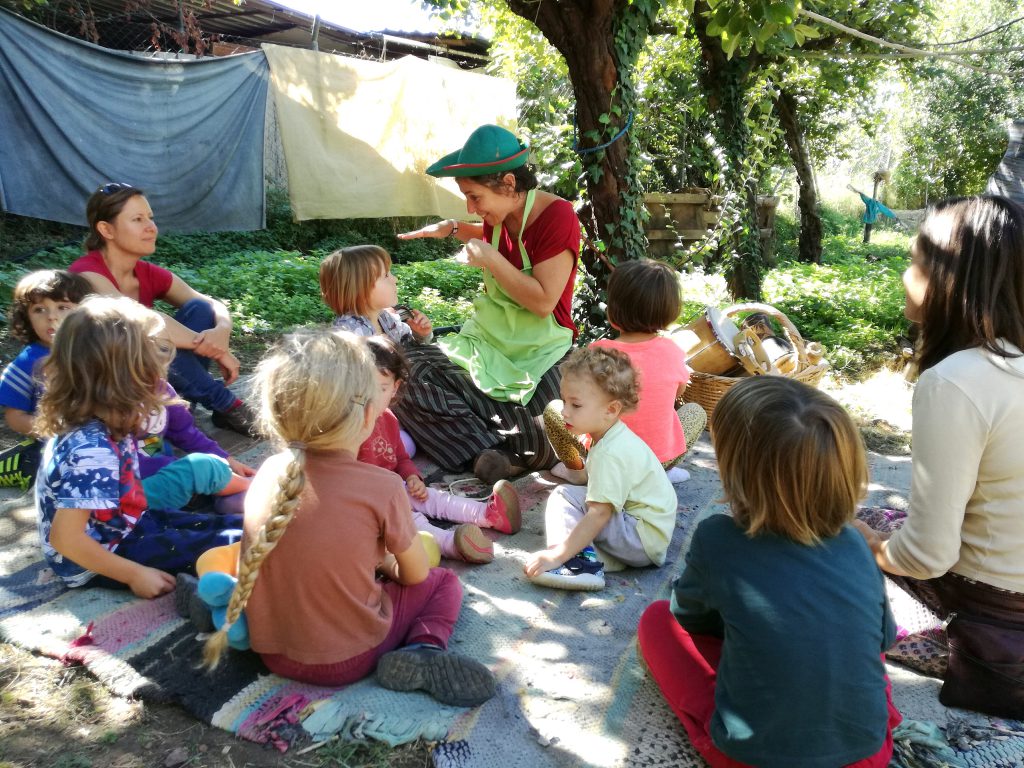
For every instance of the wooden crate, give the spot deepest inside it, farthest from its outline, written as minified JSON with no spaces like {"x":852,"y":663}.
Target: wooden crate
{"x":680,"y":219}
{"x":677,"y":220}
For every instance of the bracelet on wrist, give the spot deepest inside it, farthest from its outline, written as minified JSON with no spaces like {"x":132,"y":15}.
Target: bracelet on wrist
{"x":455,"y":227}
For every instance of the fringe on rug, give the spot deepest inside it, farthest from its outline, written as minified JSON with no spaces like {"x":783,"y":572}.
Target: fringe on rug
{"x":921,"y":744}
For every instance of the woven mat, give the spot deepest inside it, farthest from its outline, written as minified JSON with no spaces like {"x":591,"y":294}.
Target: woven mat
{"x":571,"y":691}
{"x":141,"y":648}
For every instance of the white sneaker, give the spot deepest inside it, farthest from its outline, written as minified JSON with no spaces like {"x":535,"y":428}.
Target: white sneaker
{"x":563,"y":578}
{"x":577,"y":574}
{"x":677,"y":475}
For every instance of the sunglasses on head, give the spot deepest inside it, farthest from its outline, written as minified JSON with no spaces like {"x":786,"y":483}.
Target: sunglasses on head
{"x":114,"y":186}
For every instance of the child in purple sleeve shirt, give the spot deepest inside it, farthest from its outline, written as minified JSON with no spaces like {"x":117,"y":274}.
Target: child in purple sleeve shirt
{"x":206,"y":468}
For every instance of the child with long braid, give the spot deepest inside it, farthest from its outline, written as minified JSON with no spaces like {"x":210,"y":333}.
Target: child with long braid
{"x":349,"y":588}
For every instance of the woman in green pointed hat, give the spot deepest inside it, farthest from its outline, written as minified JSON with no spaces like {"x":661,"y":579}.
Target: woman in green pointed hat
{"x":478,"y":396}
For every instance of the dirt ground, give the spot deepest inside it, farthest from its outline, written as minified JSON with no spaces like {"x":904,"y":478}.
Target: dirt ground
{"x":53,"y":716}
{"x":57,"y":717}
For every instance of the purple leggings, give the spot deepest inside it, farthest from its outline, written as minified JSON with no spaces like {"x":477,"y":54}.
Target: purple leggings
{"x":421,"y":613}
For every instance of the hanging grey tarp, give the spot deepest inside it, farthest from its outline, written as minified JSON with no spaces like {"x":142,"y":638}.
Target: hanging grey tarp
{"x":1008,"y":180}
{"x":74,"y":115}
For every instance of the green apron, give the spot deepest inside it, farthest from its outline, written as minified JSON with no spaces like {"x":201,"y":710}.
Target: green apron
{"x":504,"y":347}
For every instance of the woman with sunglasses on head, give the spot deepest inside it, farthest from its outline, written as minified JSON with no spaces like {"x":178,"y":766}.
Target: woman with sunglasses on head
{"x":122,"y":233}
{"x":478,"y":396}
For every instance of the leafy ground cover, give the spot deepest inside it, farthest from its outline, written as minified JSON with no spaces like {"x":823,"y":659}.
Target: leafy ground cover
{"x":852,"y":303}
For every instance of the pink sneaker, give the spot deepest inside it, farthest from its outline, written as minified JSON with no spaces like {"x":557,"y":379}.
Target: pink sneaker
{"x":472,"y":545}
{"x":503,"y":508}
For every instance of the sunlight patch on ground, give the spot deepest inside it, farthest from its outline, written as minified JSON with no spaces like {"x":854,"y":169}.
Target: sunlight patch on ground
{"x":884,"y":395}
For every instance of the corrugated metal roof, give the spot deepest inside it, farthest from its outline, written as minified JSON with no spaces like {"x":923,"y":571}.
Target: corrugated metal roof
{"x":151,"y":24}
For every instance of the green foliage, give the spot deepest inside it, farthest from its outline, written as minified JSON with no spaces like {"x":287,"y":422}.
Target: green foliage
{"x":338,"y":753}
{"x":673,"y":113}
{"x":853,"y":301}
{"x":265,"y":290}
{"x":954,"y":119}
{"x":442,"y":290}
{"x":284,"y":234}
{"x":21,"y":236}
{"x":520,"y":53}
{"x":272,"y":291}
{"x":268,"y":285}
{"x":72,"y":760}
{"x":854,"y":308}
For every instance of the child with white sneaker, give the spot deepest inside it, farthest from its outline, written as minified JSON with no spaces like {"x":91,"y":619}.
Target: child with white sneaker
{"x":628,"y":507}
{"x":384,"y":448}
{"x":643,"y":300}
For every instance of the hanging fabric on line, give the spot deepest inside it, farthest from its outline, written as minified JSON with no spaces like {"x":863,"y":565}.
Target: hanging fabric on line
{"x":873,"y":208}
{"x":74,"y":115}
{"x":358,"y":135}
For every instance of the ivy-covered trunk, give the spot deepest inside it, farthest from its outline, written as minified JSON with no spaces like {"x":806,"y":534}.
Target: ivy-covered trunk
{"x":724,"y":83}
{"x":600,"y":41}
{"x":810,"y":220}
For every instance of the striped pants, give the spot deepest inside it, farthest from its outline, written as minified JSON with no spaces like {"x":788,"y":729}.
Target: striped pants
{"x":454,"y":422}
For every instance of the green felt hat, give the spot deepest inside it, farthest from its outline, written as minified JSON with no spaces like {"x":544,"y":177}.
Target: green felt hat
{"x":489,"y":149}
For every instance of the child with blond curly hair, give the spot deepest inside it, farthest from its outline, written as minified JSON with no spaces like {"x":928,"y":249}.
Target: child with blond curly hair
{"x":627,"y":509}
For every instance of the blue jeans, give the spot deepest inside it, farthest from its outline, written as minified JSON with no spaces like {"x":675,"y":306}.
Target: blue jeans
{"x":190,"y":373}
{"x":172,"y":541}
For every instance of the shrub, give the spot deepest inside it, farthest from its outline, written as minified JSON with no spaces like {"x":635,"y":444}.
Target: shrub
{"x":852,"y":305}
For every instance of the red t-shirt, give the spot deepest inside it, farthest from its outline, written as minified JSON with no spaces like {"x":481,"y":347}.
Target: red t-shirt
{"x":384,"y":447}
{"x":154,"y":281}
{"x":557,"y":229}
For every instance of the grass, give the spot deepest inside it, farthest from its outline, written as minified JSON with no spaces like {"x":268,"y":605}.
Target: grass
{"x":851,"y":303}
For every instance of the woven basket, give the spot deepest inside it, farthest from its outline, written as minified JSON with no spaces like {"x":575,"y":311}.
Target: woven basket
{"x":707,"y":389}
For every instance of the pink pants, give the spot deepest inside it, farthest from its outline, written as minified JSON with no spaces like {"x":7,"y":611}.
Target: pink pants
{"x":421,"y":613}
{"x":685,"y":667}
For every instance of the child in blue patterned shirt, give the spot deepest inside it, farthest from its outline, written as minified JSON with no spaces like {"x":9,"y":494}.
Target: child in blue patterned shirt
{"x":103,"y":382}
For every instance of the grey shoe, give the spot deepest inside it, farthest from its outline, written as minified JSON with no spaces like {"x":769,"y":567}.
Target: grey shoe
{"x":184,"y":587}
{"x":450,"y":678}
{"x":190,"y":605}
{"x":239,"y":419}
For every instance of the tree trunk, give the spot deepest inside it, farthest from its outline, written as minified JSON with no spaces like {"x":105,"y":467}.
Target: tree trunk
{"x":722,"y":80}
{"x":584,"y":32}
{"x":810,"y":219}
